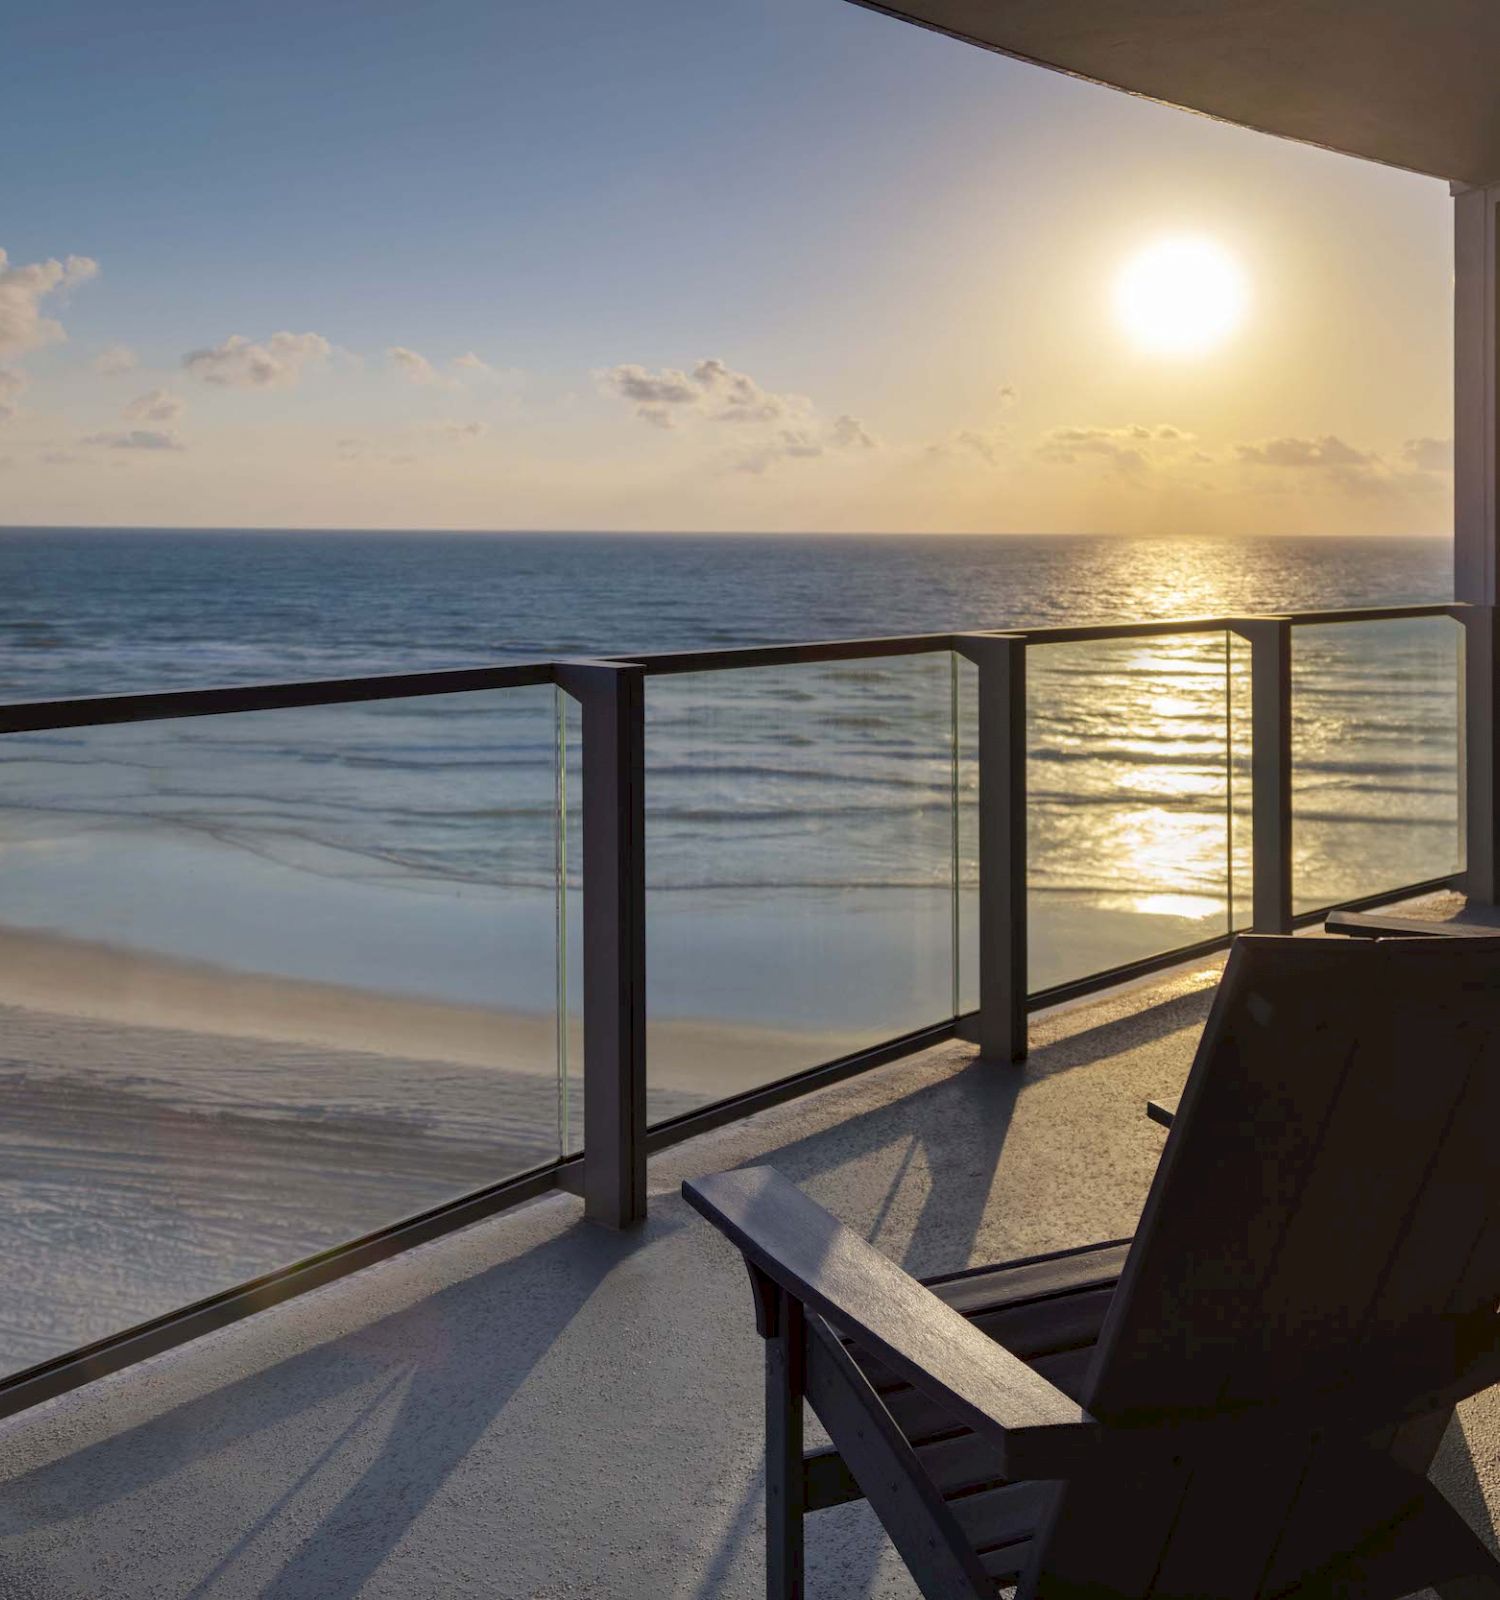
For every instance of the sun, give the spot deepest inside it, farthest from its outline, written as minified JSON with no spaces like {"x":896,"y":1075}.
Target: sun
{"x":1181,"y":297}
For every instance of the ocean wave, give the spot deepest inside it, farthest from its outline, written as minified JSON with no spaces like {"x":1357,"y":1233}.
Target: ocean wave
{"x":828,"y":777}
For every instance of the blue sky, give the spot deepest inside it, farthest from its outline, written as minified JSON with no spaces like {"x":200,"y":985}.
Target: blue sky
{"x":868,"y":221}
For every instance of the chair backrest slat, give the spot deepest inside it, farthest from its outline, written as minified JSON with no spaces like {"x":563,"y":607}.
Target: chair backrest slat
{"x":1323,"y":1187}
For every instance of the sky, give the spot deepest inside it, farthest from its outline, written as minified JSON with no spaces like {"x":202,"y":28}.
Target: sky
{"x":782,"y":265}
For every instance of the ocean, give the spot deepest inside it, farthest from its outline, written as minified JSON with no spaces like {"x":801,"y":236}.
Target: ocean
{"x":91,"y":611}
{"x":264,"y":842}
{"x":269,"y":980}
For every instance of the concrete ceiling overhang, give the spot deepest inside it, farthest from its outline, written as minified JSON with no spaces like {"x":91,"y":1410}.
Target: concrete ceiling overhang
{"x":1412,"y":83}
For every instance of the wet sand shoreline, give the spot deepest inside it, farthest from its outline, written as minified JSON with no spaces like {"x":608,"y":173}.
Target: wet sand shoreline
{"x":169,"y":1129}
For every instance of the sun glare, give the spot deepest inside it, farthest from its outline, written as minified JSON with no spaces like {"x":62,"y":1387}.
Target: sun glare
{"x":1181,"y":297}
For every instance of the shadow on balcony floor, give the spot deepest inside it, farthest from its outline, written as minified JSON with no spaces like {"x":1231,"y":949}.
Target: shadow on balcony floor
{"x":538,"y":1409}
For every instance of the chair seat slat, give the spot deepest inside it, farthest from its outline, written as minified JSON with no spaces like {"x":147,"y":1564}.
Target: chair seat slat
{"x":955,"y":1462}
{"x":995,"y":1519}
{"x":989,"y":1288}
{"x":1033,"y":1332}
{"x":1065,"y":1323}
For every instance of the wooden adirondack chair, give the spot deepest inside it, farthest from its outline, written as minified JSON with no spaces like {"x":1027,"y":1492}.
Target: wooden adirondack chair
{"x":1242,"y":1403}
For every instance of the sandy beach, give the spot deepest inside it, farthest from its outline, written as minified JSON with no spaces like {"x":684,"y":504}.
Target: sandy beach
{"x":172,"y":1128}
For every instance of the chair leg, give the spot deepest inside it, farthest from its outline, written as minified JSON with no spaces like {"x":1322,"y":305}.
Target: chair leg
{"x":785,"y":1491}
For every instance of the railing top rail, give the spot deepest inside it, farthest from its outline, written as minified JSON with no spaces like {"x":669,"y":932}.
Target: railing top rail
{"x":737,"y":656}
{"x":1305,"y":619}
{"x":1140,"y":630}
{"x":660,"y":664}
{"x":35,"y":716}
{"x":1083,"y":632}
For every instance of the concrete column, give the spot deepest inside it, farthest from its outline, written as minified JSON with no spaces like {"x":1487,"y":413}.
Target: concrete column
{"x":1476,"y":522}
{"x":1476,"y":531}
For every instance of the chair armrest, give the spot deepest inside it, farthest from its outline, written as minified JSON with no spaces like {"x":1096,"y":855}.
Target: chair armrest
{"x":811,"y":1255}
{"x":1371,"y":925}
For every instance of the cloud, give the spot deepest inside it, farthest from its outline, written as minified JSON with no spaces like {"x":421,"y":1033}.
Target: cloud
{"x":241,"y":363}
{"x":460,"y":430}
{"x":805,"y":444}
{"x":986,"y":446}
{"x":730,"y":396}
{"x":1064,"y":446}
{"x":849,"y":433}
{"x":114,"y":359}
{"x":780,"y":427}
{"x":652,"y":392}
{"x":789,"y":444}
{"x":1327,"y":450}
{"x":1006,"y":394}
{"x":713,"y":390}
{"x":414,"y":367}
{"x":157,"y":405}
{"x":1327,"y":459}
{"x":989,"y":445}
{"x":58,"y":458}
{"x":1428,"y":455}
{"x":12,"y":382}
{"x":22,"y":290}
{"x":1326,"y":456}
{"x":22,"y":325}
{"x":1128,"y":450}
{"x":455,"y":372}
{"x":136,"y":439}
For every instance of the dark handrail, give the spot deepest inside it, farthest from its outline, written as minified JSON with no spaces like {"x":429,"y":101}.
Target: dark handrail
{"x":37,"y":716}
{"x":87,"y":711}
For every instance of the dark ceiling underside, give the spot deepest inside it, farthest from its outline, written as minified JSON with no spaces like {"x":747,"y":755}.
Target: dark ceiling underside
{"x":1412,"y":83}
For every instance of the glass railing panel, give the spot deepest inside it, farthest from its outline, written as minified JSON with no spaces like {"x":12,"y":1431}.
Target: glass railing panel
{"x":270,"y":981}
{"x":569,"y":733}
{"x":799,"y":862}
{"x":1241,"y":807}
{"x":966,"y":871}
{"x":1128,"y":836}
{"x":1375,"y":757}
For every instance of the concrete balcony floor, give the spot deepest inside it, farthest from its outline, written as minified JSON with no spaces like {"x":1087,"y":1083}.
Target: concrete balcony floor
{"x":538,"y":1409}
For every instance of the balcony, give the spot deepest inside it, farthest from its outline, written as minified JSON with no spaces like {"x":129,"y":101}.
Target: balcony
{"x":305,"y":1302}
{"x":537,"y":1406}
{"x":306,"y":974}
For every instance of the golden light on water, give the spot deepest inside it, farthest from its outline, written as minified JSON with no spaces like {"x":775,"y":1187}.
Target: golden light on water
{"x":1191,"y":907}
{"x":1181,"y":297}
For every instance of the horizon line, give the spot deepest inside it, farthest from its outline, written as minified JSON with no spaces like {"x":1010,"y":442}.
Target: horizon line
{"x":690,"y":533}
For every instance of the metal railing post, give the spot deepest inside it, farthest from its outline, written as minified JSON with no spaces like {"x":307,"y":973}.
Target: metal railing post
{"x":1270,"y":640}
{"x":1001,"y":663}
{"x":612,"y":696}
{"x":1480,"y":755}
